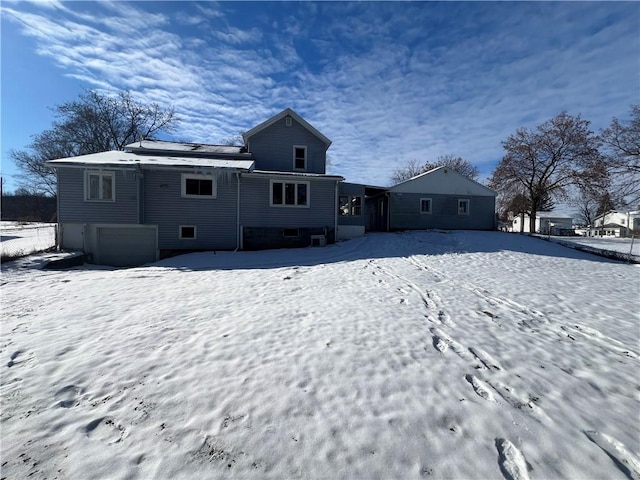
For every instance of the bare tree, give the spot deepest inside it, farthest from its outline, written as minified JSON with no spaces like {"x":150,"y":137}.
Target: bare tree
{"x":545,"y":162}
{"x":621,"y":141}
{"x":94,"y":122}
{"x":413,"y":168}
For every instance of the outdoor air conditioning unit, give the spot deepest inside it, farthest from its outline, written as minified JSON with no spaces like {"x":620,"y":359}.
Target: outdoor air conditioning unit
{"x":318,"y":240}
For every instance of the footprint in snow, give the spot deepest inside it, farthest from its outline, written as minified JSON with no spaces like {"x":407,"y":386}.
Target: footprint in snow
{"x":105,"y":429}
{"x":512,"y":463}
{"x":485,"y":358}
{"x":440,"y":344}
{"x":479,"y":387}
{"x":12,"y":361}
{"x":67,"y":397}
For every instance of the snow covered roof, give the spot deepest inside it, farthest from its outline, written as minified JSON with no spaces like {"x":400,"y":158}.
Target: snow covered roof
{"x":442,"y":180}
{"x":118,"y":159}
{"x":280,"y":116}
{"x":553,"y":214}
{"x":152,"y":146}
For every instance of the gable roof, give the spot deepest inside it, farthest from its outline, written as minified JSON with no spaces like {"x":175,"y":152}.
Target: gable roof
{"x":280,"y":116}
{"x":442,"y":180}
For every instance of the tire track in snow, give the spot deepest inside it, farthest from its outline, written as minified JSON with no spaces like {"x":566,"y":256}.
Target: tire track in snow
{"x":534,"y":318}
{"x":624,"y":460}
{"x":580,"y":331}
{"x":492,"y":299}
{"x":430,"y":299}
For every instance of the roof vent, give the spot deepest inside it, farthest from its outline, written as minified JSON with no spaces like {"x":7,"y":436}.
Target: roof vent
{"x":287,"y":120}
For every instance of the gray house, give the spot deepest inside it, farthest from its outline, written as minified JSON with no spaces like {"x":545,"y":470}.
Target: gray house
{"x":159,"y":198}
{"x":441,"y":198}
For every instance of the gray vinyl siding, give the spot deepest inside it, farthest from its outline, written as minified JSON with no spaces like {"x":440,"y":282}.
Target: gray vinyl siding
{"x":72,"y":207}
{"x":214,"y":218}
{"x":272,"y":148}
{"x":353,"y":189}
{"x":405,"y":212}
{"x":257,"y":212}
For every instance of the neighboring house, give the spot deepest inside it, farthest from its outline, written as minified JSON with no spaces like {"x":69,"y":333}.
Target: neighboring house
{"x":616,"y":224}
{"x":547,"y":223}
{"x":159,"y":198}
{"x":442,"y":198}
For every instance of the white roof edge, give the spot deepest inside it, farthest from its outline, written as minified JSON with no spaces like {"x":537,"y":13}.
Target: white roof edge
{"x":450,"y":169}
{"x":273,"y":173}
{"x":282,"y":114}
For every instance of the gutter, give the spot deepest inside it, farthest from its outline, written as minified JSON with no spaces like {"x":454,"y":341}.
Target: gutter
{"x":335,"y":214}
{"x":238,"y":234}
{"x":59,"y":227}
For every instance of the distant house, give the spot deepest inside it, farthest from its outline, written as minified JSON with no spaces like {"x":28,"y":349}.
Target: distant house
{"x":547,"y":223}
{"x":159,"y":198}
{"x":616,"y":223}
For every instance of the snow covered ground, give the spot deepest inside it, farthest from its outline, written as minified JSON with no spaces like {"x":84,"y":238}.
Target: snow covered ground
{"x":20,"y":238}
{"x":409,"y":355}
{"x":620,"y":245}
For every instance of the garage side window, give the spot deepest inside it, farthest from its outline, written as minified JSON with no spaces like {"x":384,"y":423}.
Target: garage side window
{"x":198,"y":186}
{"x":99,"y":186}
{"x":463,"y":207}
{"x":425,"y":205}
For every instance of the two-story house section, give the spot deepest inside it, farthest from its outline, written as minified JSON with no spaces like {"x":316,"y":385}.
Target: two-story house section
{"x":159,"y":198}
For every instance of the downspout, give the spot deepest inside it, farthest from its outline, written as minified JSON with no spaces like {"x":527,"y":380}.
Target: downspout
{"x":388,"y":195}
{"x":238,"y":213}
{"x":59,"y":227}
{"x":335,"y":214}
{"x":139,"y":202}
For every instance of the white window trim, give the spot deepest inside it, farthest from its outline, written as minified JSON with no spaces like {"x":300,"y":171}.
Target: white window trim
{"x":284,"y":205}
{"x":430,"y":206}
{"x":195,"y":232}
{"x":306,"y":159}
{"x":100,"y":173}
{"x":198,"y":176}
{"x":468,"y":206}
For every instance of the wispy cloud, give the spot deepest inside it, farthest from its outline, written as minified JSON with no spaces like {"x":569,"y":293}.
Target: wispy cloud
{"x":387,"y":82}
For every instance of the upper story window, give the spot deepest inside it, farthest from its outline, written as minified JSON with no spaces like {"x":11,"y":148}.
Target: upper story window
{"x":289,"y":194}
{"x":350,"y":205}
{"x":463,"y":207}
{"x":99,"y":186}
{"x":198,"y":186}
{"x":299,"y":157}
{"x":425,"y":205}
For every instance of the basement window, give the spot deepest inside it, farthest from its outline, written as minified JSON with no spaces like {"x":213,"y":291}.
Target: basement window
{"x":187,"y":232}
{"x":291,"y":233}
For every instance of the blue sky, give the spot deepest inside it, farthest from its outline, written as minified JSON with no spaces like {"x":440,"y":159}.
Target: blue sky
{"x":387,"y":82}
